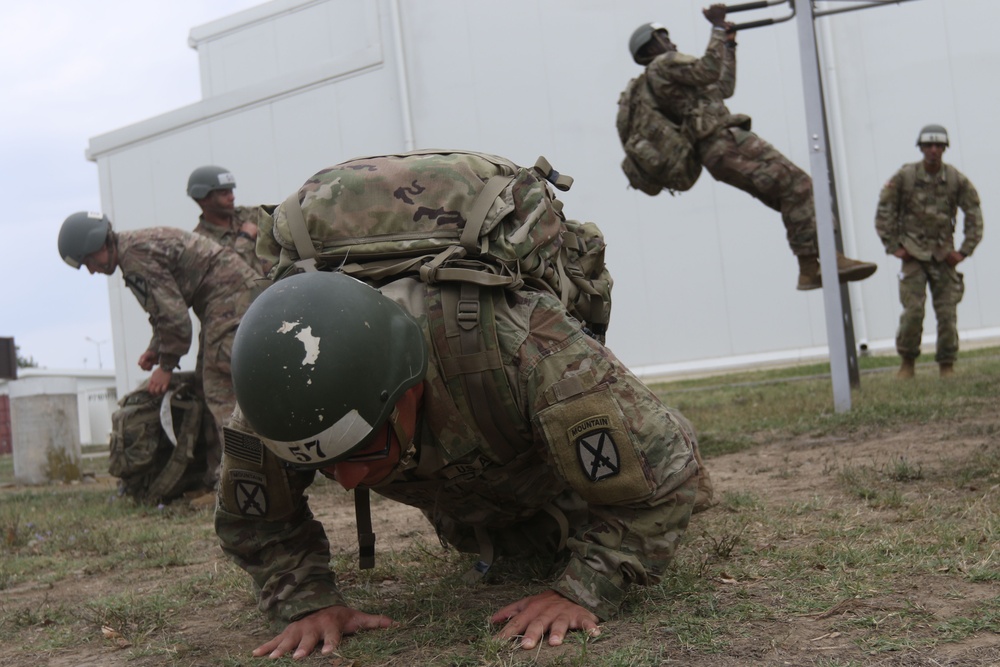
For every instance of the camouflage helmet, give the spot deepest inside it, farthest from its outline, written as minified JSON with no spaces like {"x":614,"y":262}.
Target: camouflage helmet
{"x":933,"y":134}
{"x":81,"y":234}
{"x":319,"y":361}
{"x":205,"y":179}
{"x":641,"y":37}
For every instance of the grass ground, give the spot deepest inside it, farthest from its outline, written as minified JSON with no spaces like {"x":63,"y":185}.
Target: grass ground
{"x":860,"y":538}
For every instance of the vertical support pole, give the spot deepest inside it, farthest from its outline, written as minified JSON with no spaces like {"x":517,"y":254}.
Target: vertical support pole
{"x":822,"y":196}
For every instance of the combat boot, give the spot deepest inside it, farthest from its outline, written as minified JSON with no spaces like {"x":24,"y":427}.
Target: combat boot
{"x":906,"y":369}
{"x":851,"y":269}
{"x":947,"y":368}
{"x":847,"y":270}
{"x":809,"y":277}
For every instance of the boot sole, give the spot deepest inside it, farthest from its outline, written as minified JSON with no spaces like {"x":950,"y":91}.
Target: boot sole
{"x":856,"y":273}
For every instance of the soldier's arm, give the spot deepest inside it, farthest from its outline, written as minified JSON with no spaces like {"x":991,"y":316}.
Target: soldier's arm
{"x":688,"y":70}
{"x":265,"y":526}
{"x":245,"y":243}
{"x":972,"y":230}
{"x":616,"y":444}
{"x":727,"y":79}
{"x":887,"y":215}
{"x":159,"y":295}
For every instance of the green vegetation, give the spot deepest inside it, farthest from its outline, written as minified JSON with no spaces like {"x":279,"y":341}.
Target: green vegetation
{"x":881,"y":557}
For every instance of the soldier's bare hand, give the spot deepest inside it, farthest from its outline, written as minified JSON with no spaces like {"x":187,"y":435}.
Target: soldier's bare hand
{"x":954,"y":258}
{"x":903,"y":254}
{"x":148,"y":359}
{"x":326,"y":626}
{"x":549,"y":613}
{"x":716,"y":15}
{"x":159,"y":381}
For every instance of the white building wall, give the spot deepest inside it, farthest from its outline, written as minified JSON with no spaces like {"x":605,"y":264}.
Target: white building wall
{"x":704,"y":279}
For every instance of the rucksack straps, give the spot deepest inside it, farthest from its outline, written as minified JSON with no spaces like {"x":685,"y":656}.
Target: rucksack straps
{"x":300,"y":233}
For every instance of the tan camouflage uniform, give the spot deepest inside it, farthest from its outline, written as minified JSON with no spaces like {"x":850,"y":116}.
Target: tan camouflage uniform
{"x":227,"y":237}
{"x":597,"y":449}
{"x":170,"y":270}
{"x":230,"y":238}
{"x":923,"y":222}
{"x":692,"y":91}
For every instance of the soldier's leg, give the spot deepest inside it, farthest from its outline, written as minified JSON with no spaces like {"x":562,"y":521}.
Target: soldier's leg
{"x":220,"y":398}
{"x":947,"y":288}
{"x":744,"y":160}
{"x":913,"y":296}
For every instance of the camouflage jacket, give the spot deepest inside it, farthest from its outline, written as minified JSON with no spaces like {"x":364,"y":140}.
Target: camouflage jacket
{"x":229,"y":237}
{"x":917,"y":210}
{"x":588,"y":429}
{"x":170,"y":270}
{"x":692,"y":91}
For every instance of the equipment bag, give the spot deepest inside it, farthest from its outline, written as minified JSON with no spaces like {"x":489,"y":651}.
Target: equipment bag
{"x":445,"y":217}
{"x":659,"y":153}
{"x":155,"y":442}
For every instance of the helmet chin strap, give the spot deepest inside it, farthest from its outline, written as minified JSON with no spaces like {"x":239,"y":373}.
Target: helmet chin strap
{"x":366,"y":537}
{"x":362,"y":497}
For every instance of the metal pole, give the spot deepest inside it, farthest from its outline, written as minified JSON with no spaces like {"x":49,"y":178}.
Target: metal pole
{"x":818,"y":152}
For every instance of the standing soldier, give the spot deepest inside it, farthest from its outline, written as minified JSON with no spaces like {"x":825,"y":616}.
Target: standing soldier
{"x":690,"y":92}
{"x":221,"y":220}
{"x":168,"y":271}
{"x":916,"y":222}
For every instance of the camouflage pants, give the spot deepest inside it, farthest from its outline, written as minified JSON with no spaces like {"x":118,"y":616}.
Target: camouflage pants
{"x":744,"y":160}
{"x":947,"y":287}
{"x":214,"y":372}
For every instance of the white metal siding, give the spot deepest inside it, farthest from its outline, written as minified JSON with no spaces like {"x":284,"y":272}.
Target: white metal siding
{"x":703,"y":279}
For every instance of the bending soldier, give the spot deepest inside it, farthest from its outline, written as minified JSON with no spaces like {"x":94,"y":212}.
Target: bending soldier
{"x":335,"y":377}
{"x":168,"y":271}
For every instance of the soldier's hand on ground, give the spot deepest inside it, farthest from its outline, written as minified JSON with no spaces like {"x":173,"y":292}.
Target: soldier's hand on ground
{"x":954,"y":258}
{"x":148,"y":360}
{"x":533,"y":617}
{"x":159,"y":381}
{"x":327,"y":626}
{"x":903,"y":254}
{"x":716,"y":15}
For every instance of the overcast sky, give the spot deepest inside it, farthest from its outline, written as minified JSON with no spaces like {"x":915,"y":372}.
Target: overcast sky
{"x":71,"y":70}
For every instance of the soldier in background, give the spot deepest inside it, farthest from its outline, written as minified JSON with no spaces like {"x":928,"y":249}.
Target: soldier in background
{"x":335,"y":377}
{"x":691,"y":92}
{"x":168,"y":271}
{"x":221,"y":220}
{"x":916,"y":222}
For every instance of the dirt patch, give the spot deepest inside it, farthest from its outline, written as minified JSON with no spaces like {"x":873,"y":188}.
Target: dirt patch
{"x":223,"y":630}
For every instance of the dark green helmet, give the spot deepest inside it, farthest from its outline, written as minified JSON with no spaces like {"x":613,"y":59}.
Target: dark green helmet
{"x":933,"y":134}
{"x":641,"y":37}
{"x":205,"y":179}
{"x":81,"y":234}
{"x":319,"y":361}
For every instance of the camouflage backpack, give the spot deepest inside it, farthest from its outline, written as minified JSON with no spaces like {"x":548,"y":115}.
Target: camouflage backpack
{"x":659,"y":153}
{"x":445,"y":217}
{"x":155,"y":442}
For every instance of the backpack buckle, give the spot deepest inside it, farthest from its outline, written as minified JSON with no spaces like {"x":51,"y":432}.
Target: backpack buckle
{"x":468,"y":314}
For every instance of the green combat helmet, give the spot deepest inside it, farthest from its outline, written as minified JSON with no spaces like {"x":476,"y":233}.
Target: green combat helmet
{"x":205,"y":179}
{"x":81,"y":234}
{"x":319,"y":361}
{"x":933,"y":134}
{"x":641,"y":37}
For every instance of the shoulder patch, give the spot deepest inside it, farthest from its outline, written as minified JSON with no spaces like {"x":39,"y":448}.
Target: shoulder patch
{"x":250,"y":489}
{"x":137,"y":284}
{"x":243,"y":446}
{"x":595,"y":448}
